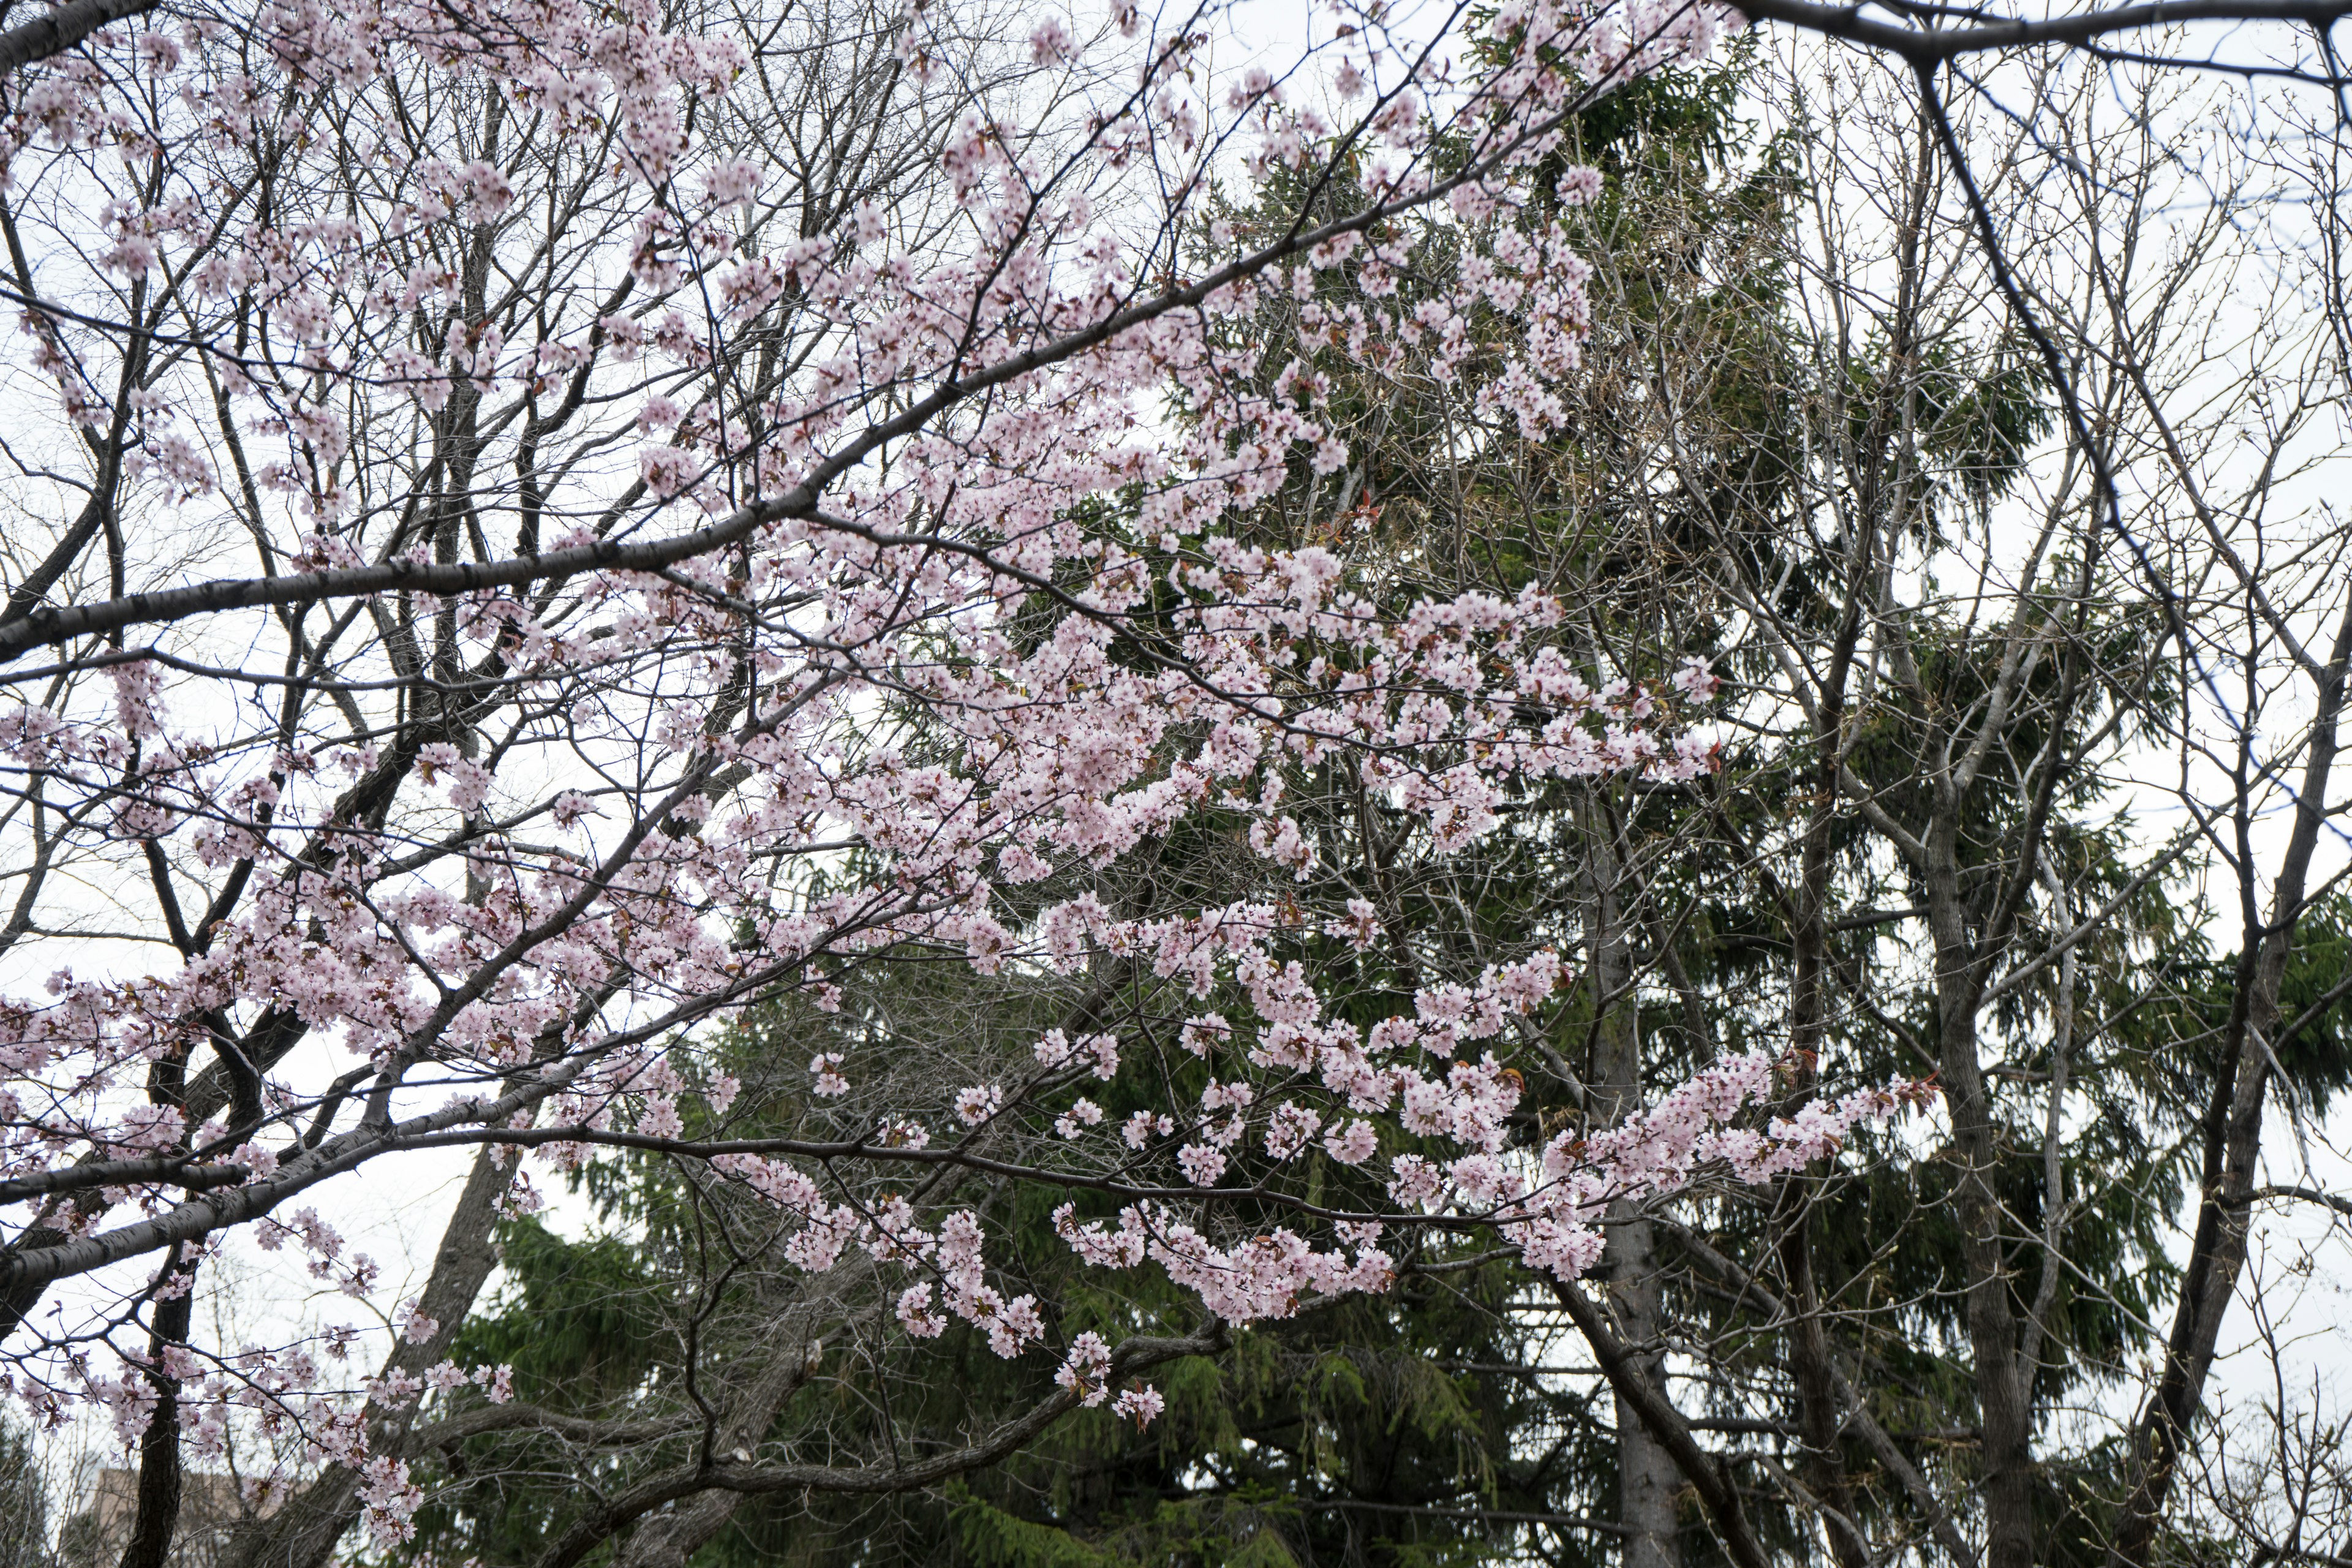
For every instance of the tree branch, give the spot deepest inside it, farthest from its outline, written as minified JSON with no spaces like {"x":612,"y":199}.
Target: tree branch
{"x":1717,"y":1492}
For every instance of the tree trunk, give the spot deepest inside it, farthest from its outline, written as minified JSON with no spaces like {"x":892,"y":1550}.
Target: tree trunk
{"x":1647,"y":1477}
{"x":158,"y":1516}
{"x":2001,"y":1409}
{"x":2234,"y":1131}
{"x":1819,"y":1408}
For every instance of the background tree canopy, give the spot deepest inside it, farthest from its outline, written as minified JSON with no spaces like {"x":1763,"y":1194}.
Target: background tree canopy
{"x":1561,"y":788}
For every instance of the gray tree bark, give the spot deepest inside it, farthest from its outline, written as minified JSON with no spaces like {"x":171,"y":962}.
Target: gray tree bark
{"x":1647,"y":1477}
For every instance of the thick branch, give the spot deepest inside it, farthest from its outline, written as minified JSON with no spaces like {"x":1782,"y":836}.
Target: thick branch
{"x":872,"y":1480}
{"x":55,"y":31}
{"x":1717,"y":1492}
{"x":1930,"y":45}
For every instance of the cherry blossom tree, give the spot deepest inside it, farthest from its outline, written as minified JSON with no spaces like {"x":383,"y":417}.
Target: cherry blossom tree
{"x":547,"y":528}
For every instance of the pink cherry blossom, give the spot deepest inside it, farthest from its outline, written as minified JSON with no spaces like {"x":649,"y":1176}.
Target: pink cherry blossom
{"x":482,"y":812}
